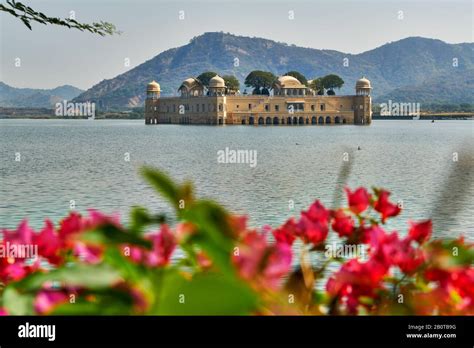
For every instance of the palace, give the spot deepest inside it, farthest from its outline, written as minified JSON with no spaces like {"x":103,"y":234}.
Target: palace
{"x":291,"y":103}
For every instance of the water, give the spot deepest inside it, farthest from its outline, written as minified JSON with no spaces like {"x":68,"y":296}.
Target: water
{"x":84,"y":161}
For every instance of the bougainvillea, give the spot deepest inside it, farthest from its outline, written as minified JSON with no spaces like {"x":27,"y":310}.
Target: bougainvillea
{"x":212,"y":262}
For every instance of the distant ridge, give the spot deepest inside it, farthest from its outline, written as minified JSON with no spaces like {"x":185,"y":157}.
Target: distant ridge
{"x":35,"y":98}
{"x":414,"y":67}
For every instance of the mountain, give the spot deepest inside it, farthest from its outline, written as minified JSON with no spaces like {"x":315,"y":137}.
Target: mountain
{"x":35,"y":98}
{"x":448,"y":88}
{"x":392,"y":68}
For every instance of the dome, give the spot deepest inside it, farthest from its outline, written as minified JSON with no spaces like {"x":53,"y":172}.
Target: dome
{"x":189,"y":82}
{"x":216,"y":82}
{"x":363,"y":83}
{"x":153,"y":86}
{"x":289,"y":82}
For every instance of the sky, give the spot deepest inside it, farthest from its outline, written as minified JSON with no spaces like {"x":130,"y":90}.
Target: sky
{"x":50,"y":56}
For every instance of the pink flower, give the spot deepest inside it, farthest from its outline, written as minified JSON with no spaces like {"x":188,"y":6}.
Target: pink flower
{"x":389,"y":250}
{"x":75,"y":224}
{"x":88,"y":253}
{"x":358,"y":200}
{"x":3,"y":312}
{"x":385,"y":207}
{"x":48,"y":243}
{"x":23,"y":235}
{"x":343,"y":224}
{"x":356,"y":279}
{"x":260,"y":263}
{"x":47,"y":300}
{"x":163,"y":245}
{"x":313,"y":226}
{"x":286,"y":233}
{"x":420,"y":231}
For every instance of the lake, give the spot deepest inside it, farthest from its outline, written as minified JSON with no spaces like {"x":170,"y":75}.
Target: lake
{"x":47,"y":163}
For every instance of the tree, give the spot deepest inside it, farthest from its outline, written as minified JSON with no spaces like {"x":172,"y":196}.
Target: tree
{"x":231,"y":83}
{"x":299,"y":76}
{"x":205,"y":77}
{"x":317,"y":85}
{"x":332,"y":81}
{"x":28,"y":15}
{"x":260,"y":80}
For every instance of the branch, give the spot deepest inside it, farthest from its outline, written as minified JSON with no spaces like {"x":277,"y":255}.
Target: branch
{"x":27,"y":15}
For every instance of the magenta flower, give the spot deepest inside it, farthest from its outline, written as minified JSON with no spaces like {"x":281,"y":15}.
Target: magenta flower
{"x":47,"y":300}
{"x":313,"y":226}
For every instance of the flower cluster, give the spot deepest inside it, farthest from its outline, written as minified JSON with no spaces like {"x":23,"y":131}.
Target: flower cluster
{"x":93,"y":260}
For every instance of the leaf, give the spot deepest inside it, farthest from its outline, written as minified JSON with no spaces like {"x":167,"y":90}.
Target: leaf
{"x":163,"y":184}
{"x":78,"y":275}
{"x":206,"y":294}
{"x":106,"y":302}
{"x":112,"y":235}
{"x":16,"y":302}
{"x":214,"y":235}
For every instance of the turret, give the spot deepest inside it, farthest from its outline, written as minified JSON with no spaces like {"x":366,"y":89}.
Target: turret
{"x":363,"y":86}
{"x":153,"y":90}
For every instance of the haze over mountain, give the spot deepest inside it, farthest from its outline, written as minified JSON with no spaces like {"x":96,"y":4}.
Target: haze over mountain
{"x":35,"y":98}
{"x":416,"y":68}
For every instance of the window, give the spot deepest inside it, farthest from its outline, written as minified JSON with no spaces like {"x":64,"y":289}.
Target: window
{"x":250,"y":106}
{"x":197,"y":107}
{"x":312,"y":107}
{"x":237,"y":106}
{"x":220,"y":107}
{"x":203,"y":107}
{"x":174,"y":108}
{"x":277,"y":107}
{"x":267,"y":108}
{"x":322,"y":107}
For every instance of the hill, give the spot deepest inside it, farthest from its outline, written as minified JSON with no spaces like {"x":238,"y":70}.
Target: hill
{"x":393,"y":67}
{"x":35,"y":98}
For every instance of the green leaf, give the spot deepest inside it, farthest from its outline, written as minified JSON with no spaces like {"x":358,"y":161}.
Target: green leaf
{"x":78,"y":275}
{"x":112,"y":235}
{"x":206,"y":294}
{"x":214,"y":235}
{"x":16,"y":302}
{"x":107,"y":302}
{"x":163,"y":184}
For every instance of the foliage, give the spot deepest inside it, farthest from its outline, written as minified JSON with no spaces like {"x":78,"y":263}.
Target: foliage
{"x":317,"y":85}
{"x":299,"y":76}
{"x":332,"y":81}
{"x":261,"y":81}
{"x":231,"y":83}
{"x":95,"y":265}
{"x":28,"y":15}
{"x":205,"y":77}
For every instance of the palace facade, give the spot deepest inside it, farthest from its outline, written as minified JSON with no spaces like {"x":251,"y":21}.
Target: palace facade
{"x":291,"y":103}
